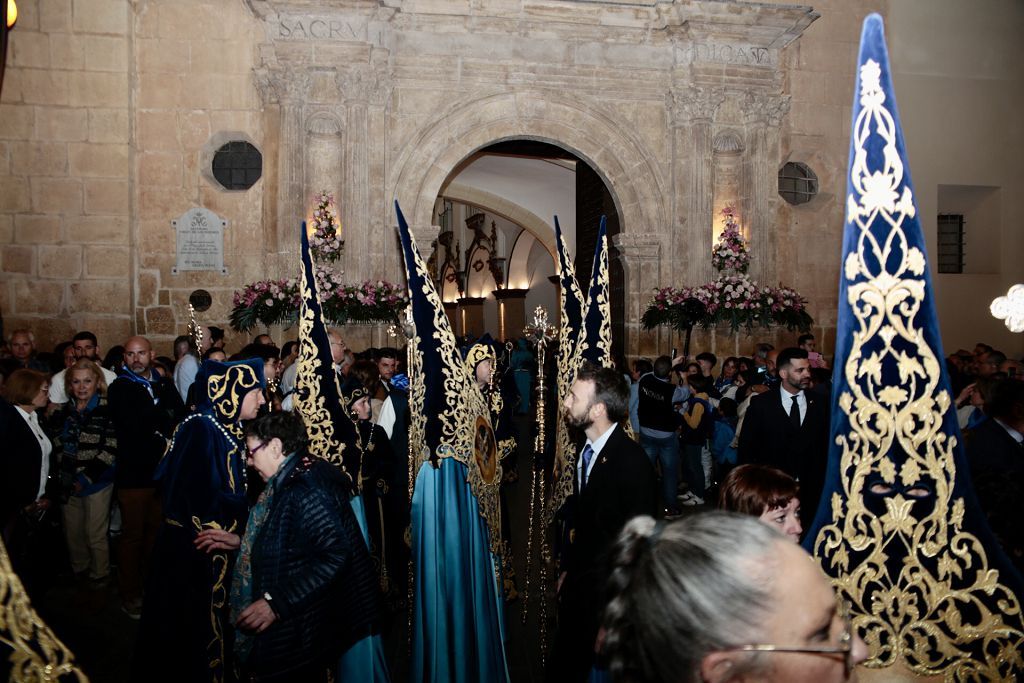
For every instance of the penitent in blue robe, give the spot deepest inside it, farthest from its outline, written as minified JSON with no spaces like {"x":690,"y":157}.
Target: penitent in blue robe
{"x":186,"y":633}
{"x":455,"y":582}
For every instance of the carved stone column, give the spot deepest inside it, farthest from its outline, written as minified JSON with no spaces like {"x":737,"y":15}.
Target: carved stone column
{"x":764,"y":112}
{"x":691,"y":112}
{"x":365,"y":88}
{"x":640,"y":255}
{"x":287,"y":87}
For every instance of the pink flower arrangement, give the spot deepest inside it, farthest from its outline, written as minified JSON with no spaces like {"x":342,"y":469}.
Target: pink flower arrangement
{"x":367,"y":302}
{"x":731,"y":299}
{"x":325,"y":243}
{"x":272,"y":302}
{"x":731,"y":253}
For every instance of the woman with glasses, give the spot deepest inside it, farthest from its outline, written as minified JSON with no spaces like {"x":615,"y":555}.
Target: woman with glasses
{"x":720,"y":597}
{"x":304,"y":589}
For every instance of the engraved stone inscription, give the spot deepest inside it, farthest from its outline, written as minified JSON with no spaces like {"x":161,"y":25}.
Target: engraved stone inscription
{"x":732,"y":54}
{"x":200,"y":241}
{"x":313,"y":28}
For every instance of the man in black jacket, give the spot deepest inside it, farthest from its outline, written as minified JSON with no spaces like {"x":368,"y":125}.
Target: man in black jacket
{"x":614,"y":482}
{"x":787,"y":427}
{"x":145,"y":408}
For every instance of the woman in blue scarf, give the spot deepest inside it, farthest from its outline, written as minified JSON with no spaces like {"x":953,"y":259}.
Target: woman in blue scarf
{"x":304,"y":589}
{"x":185,"y":633}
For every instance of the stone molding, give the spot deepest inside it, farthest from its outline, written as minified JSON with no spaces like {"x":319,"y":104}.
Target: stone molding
{"x":642,"y":245}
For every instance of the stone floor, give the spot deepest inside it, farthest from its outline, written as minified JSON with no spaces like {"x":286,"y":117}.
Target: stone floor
{"x":91,"y":623}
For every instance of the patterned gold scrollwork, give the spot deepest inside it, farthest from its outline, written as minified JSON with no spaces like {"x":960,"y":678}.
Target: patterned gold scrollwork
{"x":464,"y":404}
{"x":569,"y":359}
{"x":921,"y":587}
{"x":36,"y":653}
{"x":309,"y":399}
{"x":572,"y":344}
{"x":224,"y":390}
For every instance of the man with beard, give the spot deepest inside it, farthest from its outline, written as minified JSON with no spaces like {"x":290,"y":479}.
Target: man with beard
{"x":85,"y":346}
{"x":145,"y":409}
{"x":614,"y":482}
{"x":787,"y":428}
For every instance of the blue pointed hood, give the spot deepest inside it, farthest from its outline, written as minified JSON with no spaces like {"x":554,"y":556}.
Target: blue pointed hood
{"x":899,"y":529}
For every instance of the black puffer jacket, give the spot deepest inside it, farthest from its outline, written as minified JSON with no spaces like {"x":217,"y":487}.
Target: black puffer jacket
{"x":311,"y":558}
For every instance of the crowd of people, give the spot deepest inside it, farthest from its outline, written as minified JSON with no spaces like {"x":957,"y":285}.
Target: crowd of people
{"x":242,"y":552}
{"x":226,"y":537}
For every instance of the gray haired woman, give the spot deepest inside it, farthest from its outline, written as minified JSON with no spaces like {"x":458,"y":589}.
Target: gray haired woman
{"x":720,"y":597}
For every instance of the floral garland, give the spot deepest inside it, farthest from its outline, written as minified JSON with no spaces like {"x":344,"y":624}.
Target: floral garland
{"x":731,"y":253}
{"x":276,"y":302}
{"x":732,"y":299}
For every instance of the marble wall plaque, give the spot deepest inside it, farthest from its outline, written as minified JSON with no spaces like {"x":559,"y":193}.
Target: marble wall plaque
{"x":200,"y":241}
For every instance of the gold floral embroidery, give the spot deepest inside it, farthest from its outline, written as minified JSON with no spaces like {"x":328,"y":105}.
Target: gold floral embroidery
{"x":920,"y":584}
{"x":464,"y":404}
{"x":36,"y":653}
{"x":572,"y":347}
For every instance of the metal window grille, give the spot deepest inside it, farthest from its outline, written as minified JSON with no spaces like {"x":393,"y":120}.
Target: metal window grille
{"x":237,"y":165}
{"x":951,"y":243}
{"x":798,"y":184}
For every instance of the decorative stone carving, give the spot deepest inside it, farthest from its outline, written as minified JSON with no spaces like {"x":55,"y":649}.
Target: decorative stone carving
{"x":323,"y":123}
{"x":765,"y":108}
{"x":728,"y":142}
{"x":369,"y":83}
{"x":698,"y":103}
{"x":282,"y":85}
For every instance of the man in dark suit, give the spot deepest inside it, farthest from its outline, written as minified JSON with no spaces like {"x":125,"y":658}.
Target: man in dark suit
{"x":995,"y":454}
{"x":145,"y":409}
{"x":614,"y":482}
{"x":787,"y":427}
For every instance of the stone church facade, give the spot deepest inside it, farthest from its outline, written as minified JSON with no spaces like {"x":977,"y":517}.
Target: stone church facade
{"x":111,"y":112}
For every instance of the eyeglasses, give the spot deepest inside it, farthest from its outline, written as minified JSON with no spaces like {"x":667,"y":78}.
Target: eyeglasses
{"x":251,"y":452}
{"x":844,"y":648}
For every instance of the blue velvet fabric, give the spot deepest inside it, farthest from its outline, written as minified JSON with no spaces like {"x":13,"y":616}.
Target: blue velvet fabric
{"x":458,"y":627}
{"x":364,"y":661}
{"x":582,"y":320}
{"x":888,"y":355}
{"x":458,"y":617}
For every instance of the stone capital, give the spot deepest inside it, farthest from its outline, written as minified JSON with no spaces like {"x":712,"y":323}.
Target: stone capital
{"x":765,"y":108}
{"x":365,"y":83}
{"x":694,"y":103}
{"x":282,"y":85}
{"x":424,"y":235}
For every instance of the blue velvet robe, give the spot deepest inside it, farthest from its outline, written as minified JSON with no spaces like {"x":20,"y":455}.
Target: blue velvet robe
{"x":186,"y":633}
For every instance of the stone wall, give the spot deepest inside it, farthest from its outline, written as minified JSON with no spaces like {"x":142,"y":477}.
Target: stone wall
{"x":112,"y":108}
{"x":65,"y":171}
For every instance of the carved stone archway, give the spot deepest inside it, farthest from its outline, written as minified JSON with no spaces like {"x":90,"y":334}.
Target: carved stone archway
{"x":576,"y":125}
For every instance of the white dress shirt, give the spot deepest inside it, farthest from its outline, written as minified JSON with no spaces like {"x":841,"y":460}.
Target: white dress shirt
{"x":596,"y":446}
{"x":787,"y":402}
{"x":32,"y":420}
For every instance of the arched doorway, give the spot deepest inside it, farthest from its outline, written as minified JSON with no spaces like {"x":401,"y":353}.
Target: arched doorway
{"x":498,"y":206}
{"x":608,"y":142}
